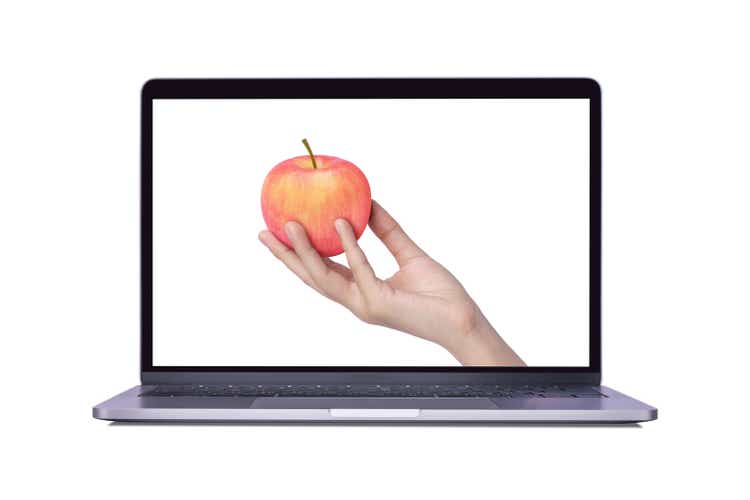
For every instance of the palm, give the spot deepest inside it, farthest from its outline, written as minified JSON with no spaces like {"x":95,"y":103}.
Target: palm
{"x":423,"y":276}
{"x":425,"y":289}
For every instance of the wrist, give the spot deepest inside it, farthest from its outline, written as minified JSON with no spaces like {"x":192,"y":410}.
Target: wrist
{"x":479,"y":344}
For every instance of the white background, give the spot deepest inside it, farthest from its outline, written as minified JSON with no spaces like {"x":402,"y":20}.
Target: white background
{"x":495,"y":190}
{"x":676,"y":246}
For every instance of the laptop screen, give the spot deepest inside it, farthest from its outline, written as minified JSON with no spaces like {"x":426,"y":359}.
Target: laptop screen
{"x":475,"y":251}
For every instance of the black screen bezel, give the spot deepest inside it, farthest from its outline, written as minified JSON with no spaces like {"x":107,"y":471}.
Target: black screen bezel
{"x":370,"y":88}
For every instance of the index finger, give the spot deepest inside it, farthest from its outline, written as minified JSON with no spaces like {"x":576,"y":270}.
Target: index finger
{"x":328,"y":281}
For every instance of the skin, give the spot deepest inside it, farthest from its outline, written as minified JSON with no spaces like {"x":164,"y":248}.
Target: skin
{"x":423,"y":298}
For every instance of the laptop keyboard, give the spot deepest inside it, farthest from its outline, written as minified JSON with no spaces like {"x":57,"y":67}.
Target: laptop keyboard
{"x":375,"y":391}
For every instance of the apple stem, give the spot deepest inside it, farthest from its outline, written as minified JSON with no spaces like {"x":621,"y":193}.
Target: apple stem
{"x":312,"y":157}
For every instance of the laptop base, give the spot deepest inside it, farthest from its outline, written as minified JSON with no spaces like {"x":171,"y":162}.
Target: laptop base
{"x":615,"y":407}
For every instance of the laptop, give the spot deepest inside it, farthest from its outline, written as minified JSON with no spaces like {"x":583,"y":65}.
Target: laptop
{"x":361,"y":250}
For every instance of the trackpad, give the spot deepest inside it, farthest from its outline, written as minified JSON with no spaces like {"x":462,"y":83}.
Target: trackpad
{"x":376,"y":403}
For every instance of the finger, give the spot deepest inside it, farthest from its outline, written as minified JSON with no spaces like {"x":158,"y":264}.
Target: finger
{"x":362,"y":271}
{"x":331,"y":283}
{"x":339,"y":268}
{"x":287,"y":256}
{"x":390,"y":233}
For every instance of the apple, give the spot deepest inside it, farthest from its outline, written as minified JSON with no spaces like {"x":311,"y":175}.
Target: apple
{"x":315,"y":190}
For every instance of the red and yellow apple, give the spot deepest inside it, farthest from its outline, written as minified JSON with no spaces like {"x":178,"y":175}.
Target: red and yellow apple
{"x":315,"y":190}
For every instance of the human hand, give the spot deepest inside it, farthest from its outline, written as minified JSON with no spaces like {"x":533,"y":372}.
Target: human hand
{"x":422,"y":298}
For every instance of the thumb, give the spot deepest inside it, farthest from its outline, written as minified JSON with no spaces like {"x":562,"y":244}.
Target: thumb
{"x":392,"y":235}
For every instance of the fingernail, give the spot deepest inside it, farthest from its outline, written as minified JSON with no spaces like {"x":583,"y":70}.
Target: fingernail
{"x":261,"y":237}
{"x":340,"y":225}
{"x":289,"y":228}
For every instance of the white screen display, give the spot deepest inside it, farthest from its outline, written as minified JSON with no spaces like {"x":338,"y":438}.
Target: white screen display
{"x":495,"y":190}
